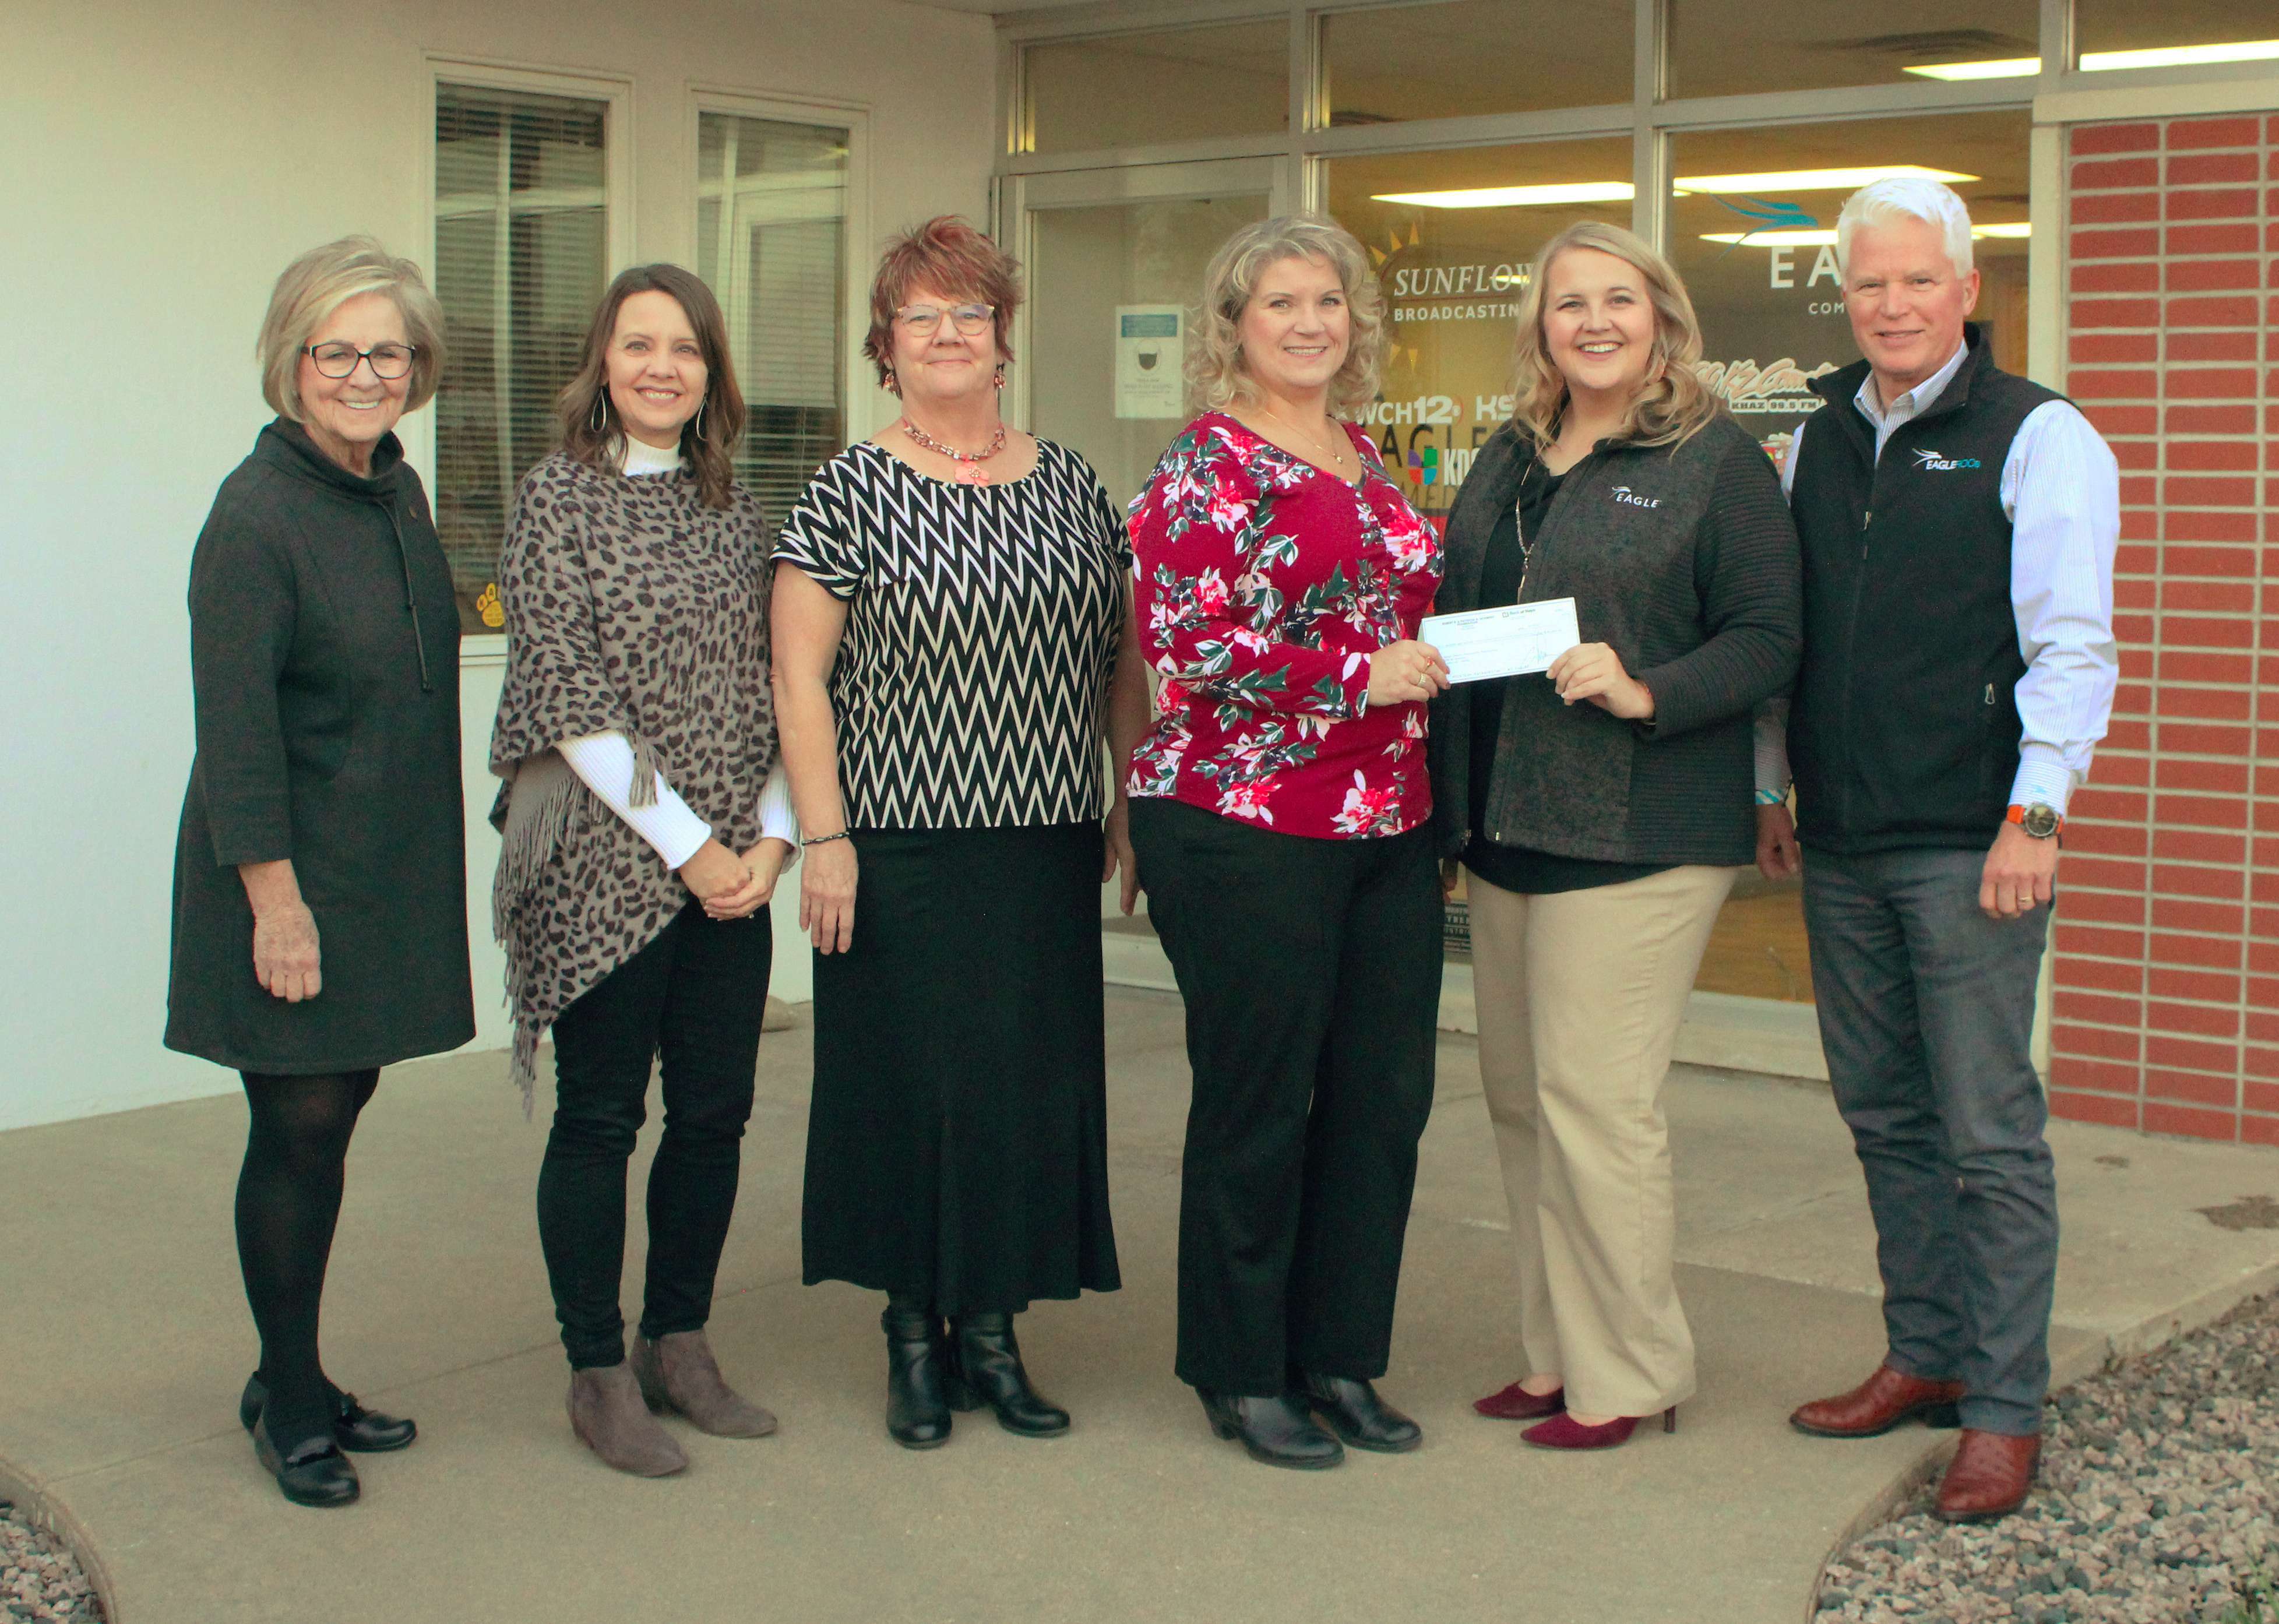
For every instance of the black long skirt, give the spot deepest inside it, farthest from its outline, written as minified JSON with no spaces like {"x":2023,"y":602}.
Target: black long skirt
{"x":958,"y":1145}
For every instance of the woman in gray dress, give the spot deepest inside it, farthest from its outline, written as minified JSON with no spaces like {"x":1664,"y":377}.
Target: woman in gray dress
{"x":319,"y":919}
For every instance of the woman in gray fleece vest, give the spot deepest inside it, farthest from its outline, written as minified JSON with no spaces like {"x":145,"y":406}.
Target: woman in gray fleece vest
{"x":1602,"y":811}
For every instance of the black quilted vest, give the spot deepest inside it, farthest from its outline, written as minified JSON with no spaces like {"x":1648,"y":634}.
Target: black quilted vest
{"x":1904,"y":730}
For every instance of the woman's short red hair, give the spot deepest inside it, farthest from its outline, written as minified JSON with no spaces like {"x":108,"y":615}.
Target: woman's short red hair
{"x":950,"y":257}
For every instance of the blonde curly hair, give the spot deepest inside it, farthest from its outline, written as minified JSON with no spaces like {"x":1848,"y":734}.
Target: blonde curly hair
{"x":1672,"y":404}
{"x":1215,"y":374}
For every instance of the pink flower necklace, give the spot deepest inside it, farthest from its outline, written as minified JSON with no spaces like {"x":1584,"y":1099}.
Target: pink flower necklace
{"x":969,"y":463}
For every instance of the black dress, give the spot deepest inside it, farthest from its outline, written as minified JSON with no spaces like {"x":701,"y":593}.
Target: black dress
{"x":324,"y":658}
{"x":957,"y":1149}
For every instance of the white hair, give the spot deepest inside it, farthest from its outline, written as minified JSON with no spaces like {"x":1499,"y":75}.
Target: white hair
{"x":1912,"y":197}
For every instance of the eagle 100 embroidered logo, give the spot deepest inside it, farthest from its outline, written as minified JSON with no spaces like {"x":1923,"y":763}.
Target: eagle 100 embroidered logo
{"x":1622,"y":492}
{"x":1931,"y":462}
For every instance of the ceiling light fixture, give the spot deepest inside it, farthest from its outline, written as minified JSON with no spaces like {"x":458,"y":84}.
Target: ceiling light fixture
{"x":2110,"y":61}
{"x":1620,"y":191}
{"x":1827,"y":239}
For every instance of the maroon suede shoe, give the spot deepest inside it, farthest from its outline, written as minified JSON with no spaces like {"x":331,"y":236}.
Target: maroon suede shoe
{"x":1515,"y":1403}
{"x":1563,"y":1431}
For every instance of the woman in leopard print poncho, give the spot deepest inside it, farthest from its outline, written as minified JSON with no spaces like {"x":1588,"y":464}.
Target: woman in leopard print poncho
{"x":636,"y":738}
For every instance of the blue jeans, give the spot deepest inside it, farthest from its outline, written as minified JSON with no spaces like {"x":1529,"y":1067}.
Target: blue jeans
{"x":1926,"y":1014}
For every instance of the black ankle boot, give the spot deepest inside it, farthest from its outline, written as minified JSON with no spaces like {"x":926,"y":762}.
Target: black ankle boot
{"x":1355,"y":1412}
{"x":1275,"y":1430}
{"x":917,"y":1409}
{"x":987,"y":1366}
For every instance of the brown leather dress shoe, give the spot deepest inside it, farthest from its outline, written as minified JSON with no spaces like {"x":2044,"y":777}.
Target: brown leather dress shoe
{"x":1879,"y":1404}
{"x":1989,"y":1477}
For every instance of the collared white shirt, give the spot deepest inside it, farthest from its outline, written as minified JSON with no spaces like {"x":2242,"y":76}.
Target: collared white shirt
{"x":2061,"y":493}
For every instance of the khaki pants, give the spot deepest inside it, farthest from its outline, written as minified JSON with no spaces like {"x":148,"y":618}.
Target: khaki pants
{"x":1580,"y":994}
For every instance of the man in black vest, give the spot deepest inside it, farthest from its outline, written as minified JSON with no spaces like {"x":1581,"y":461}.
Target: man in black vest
{"x":1958,"y":526}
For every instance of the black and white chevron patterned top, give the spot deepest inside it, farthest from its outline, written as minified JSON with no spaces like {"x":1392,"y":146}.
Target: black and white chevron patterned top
{"x":981,"y":628}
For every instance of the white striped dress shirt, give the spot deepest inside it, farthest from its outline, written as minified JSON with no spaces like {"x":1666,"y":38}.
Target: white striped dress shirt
{"x":2061,"y":493}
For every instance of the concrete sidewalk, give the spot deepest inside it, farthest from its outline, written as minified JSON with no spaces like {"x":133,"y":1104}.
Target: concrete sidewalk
{"x":124,"y":1338}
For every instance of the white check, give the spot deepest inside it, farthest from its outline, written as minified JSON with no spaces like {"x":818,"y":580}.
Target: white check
{"x":1510,"y":642}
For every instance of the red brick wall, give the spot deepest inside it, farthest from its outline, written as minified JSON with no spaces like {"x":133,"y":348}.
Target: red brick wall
{"x":2166,"y":1011}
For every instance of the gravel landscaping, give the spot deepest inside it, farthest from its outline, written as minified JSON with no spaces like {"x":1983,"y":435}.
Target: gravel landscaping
{"x":2158,"y":1504}
{"x":39,"y":1581}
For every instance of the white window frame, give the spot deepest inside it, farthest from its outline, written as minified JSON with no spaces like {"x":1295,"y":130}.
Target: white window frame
{"x":618,"y":212}
{"x":858,"y":400}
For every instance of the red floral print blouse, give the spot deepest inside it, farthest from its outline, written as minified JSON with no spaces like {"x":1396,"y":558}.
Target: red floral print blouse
{"x":1264,"y":586}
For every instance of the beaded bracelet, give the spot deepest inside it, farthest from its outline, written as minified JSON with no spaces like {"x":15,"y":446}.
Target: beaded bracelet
{"x":822,"y":840}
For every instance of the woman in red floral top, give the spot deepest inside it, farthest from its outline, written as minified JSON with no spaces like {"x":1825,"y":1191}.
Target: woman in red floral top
{"x":1280,"y":807}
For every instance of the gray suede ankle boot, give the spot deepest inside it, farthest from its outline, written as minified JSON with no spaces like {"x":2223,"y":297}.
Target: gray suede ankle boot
{"x":607,"y":1414}
{"x":678,"y":1372}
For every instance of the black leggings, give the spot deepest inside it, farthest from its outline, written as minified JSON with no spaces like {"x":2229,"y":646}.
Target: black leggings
{"x":288,"y":1197}
{"x":692,"y":998}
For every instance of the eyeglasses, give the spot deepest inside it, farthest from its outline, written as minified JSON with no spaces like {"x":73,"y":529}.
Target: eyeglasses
{"x":389,"y":362}
{"x":923,"y":318}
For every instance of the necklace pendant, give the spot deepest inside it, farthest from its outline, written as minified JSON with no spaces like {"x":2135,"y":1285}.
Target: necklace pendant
{"x":971,"y":473}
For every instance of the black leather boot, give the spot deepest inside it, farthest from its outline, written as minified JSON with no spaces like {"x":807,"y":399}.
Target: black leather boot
{"x":987,"y":1368}
{"x":917,"y":1409}
{"x":1275,"y":1430}
{"x":1355,"y":1413}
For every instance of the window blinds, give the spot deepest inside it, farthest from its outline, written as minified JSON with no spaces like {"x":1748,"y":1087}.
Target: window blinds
{"x":521,"y":256}
{"x":772,"y":228}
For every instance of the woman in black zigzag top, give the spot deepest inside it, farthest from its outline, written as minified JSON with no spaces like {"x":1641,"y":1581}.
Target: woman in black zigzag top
{"x":644,"y":830}
{"x":950,"y":628}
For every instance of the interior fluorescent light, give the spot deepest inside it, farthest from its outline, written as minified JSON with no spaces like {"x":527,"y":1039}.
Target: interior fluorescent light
{"x":1814,"y":179}
{"x":2009,"y":67}
{"x":2107,"y":61}
{"x":1515,"y":196}
{"x":2179,"y":56}
{"x":1827,"y":239}
{"x":1620,"y":191}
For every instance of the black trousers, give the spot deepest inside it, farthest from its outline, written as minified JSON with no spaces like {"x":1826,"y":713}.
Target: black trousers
{"x":694,"y":996}
{"x":1311,"y":971}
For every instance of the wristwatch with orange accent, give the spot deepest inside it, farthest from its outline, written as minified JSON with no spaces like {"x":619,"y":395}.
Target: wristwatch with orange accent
{"x":2039,"y":820}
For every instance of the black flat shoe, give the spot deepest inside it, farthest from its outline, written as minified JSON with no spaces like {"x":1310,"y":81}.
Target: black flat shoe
{"x":986,"y":1368}
{"x":315,"y":1473}
{"x":918,"y":1407}
{"x":1277,"y":1431}
{"x":367,"y":1432}
{"x":1356,"y":1414}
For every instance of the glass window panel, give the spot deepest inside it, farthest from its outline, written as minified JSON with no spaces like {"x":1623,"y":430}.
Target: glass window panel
{"x":2189,"y":30}
{"x":1717,"y":48}
{"x":1173,"y":84}
{"x":772,"y":229}
{"x":521,"y":232}
{"x":1772,"y":317}
{"x":1476,"y":56}
{"x":1453,"y":255}
{"x":1452,"y":275}
{"x":1759,"y":259}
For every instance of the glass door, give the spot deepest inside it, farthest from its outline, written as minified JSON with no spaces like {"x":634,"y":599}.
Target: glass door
{"x":1115,"y":260}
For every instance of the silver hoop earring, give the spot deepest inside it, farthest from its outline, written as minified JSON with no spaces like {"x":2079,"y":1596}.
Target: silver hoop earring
{"x":600,"y":415}
{"x":700,"y":419}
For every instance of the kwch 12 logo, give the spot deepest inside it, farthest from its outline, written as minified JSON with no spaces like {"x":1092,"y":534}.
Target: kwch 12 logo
{"x":1931,"y":462}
